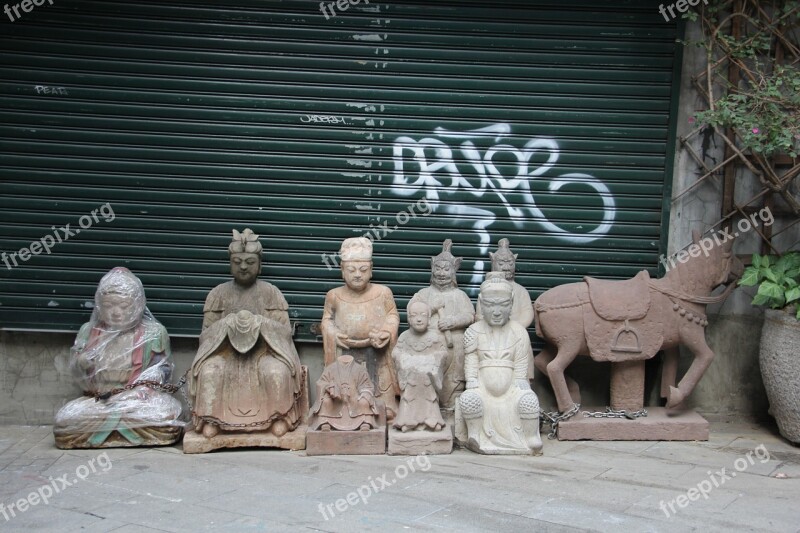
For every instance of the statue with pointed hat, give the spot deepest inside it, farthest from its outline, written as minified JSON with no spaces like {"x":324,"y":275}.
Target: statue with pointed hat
{"x":246,"y":382}
{"x":451,"y":313}
{"x":361,"y":319}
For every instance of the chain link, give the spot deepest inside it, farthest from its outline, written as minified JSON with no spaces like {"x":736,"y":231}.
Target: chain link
{"x":616,"y":413}
{"x":155,"y":385}
{"x":554,"y":418}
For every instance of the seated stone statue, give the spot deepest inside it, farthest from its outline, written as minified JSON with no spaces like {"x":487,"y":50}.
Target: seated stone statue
{"x":419,"y":357}
{"x":121,"y":359}
{"x":500,"y":409}
{"x":246,"y":376}
{"x":345,"y":398}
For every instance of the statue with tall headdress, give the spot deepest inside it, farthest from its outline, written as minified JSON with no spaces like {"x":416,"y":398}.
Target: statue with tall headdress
{"x":246,"y":379}
{"x":500,"y":409}
{"x":361,"y":319}
{"x":122,"y":360}
{"x":451,"y":313}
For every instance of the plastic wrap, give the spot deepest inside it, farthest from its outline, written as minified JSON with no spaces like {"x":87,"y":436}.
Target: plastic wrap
{"x":121,"y":346}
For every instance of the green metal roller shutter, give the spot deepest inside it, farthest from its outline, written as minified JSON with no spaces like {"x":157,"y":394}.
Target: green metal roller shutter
{"x":544,"y":122}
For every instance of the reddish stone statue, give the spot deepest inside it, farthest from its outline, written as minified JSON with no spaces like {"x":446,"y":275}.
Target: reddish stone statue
{"x":625,"y":323}
{"x":361,"y":319}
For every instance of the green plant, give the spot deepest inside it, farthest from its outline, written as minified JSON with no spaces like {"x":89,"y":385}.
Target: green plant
{"x":778,"y":280}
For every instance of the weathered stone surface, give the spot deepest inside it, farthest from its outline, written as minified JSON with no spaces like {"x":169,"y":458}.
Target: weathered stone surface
{"x":372,"y":442}
{"x":195,"y":443}
{"x":420,"y":442}
{"x":631,"y":320}
{"x":779,"y":360}
{"x":659,"y":424}
{"x":500,"y":410}
{"x":361,"y":319}
{"x":246,"y":377}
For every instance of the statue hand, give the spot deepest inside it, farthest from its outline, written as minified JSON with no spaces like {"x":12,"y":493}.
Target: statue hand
{"x":445,"y":323}
{"x":523,"y":384}
{"x":380,"y":339}
{"x":342,"y":340}
{"x":472,"y":384}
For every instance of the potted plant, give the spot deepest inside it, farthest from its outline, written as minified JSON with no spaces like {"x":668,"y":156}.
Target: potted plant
{"x":778,"y":281}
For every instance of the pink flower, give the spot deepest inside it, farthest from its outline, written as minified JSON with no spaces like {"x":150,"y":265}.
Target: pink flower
{"x":691,"y":120}
{"x":755,"y":130}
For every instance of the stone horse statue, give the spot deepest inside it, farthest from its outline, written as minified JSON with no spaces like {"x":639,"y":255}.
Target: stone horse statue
{"x":631,"y":320}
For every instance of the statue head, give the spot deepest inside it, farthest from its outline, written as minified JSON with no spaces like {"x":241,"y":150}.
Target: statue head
{"x":419,"y":314}
{"x":503,"y":260}
{"x":245,"y":254}
{"x":496,"y":298}
{"x":356,"y":256}
{"x":444,"y":267}
{"x":119,"y":300}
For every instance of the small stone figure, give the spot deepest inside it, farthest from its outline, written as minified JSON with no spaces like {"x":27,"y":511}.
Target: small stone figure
{"x":122,"y":359}
{"x":247,"y":385}
{"x":499,"y":407}
{"x":451,"y":313}
{"x":419,"y":357}
{"x":361,"y":319}
{"x":345,"y":398}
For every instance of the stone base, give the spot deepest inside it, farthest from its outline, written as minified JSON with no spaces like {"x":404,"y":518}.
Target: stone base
{"x":420,"y":442}
{"x":196,"y":443}
{"x":333,"y":442}
{"x":153,"y":436}
{"x":659,"y":424}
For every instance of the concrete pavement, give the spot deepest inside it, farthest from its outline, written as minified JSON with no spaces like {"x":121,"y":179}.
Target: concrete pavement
{"x":575,"y":486}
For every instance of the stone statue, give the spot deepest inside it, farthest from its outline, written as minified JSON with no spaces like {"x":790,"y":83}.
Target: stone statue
{"x":122,"y":360}
{"x":419,"y":357}
{"x":500,"y":409}
{"x":451,"y":313}
{"x":361,"y":319}
{"x":627,"y":322}
{"x":247,"y":385}
{"x":345,"y":398}
{"x":503,"y":260}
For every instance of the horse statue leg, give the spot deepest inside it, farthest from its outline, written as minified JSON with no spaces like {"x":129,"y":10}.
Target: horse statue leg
{"x":541,"y":361}
{"x":695,"y":341}
{"x":669,"y":370}
{"x":568,"y":350}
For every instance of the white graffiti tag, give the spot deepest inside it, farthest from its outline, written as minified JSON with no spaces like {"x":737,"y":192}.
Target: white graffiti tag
{"x":492,"y":180}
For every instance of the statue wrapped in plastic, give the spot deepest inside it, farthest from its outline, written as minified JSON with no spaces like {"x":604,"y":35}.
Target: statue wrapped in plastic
{"x":122,"y":361}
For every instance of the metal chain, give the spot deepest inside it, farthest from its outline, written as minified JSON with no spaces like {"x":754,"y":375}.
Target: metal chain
{"x":155,"y":385}
{"x":554,"y":418}
{"x":616,"y":413}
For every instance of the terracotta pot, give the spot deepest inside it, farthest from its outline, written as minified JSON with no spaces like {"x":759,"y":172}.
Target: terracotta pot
{"x":780,"y":369}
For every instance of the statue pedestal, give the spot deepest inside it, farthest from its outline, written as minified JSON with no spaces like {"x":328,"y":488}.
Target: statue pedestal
{"x":420,"y":442}
{"x":659,"y":424}
{"x":335,"y":442}
{"x":294,"y":440}
{"x":156,"y":436}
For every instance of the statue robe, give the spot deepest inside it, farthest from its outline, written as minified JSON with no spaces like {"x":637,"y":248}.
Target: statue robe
{"x":355,"y":404}
{"x":246,"y":391}
{"x":420,"y":361}
{"x":355,"y":315}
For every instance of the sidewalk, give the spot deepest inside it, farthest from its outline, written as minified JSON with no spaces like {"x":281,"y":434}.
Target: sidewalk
{"x":575,"y":486}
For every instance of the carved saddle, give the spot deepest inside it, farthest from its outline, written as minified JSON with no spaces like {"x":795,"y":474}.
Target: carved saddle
{"x":617,"y":325}
{"x":620,"y":300}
